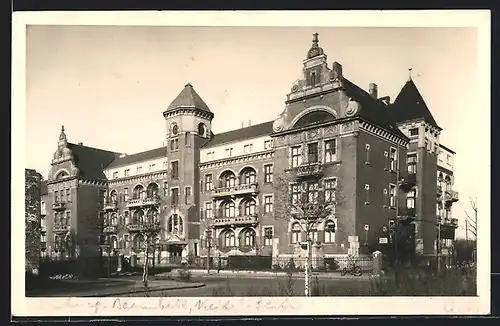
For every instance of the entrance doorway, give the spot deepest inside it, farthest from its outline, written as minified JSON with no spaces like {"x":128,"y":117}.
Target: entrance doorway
{"x":175,"y":254}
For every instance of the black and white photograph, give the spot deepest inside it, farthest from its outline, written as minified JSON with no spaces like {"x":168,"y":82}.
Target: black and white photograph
{"x":241,"y":163}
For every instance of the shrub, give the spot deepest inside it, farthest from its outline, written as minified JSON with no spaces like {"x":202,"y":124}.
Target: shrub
{"x":184,"y":275}
{"x":331,"y":264}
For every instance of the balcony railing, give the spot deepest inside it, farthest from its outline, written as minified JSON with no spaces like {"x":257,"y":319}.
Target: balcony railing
{"x":110,"y":229}
{"x":144,"y":227}
{"x":238,"y":220}
{"x":140,"y":202}
{"x":59,"y":206}
{"x":307,"y":170}
{"x":451,"y":196}
{"x":242,"y":189}
{"x":60,"y":228}
{"x":110,"y":206}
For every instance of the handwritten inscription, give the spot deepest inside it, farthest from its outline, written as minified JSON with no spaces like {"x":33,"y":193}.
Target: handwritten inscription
{"x":261,"y":305}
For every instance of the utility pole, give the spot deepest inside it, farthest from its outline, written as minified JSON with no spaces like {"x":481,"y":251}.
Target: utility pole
{"x":467,"y":231}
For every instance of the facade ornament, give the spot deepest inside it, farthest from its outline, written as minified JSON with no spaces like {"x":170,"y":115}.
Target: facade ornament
{"x":353,"y":108}
{"x":279,"y":123}
{"x":62,"y":151}
{"x":315,"y":49}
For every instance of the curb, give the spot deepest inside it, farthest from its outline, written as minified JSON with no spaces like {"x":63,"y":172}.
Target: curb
{"x":194,"y":286}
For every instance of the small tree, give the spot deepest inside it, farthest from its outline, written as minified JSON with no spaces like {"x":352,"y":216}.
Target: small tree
{"x":303,"y":198}
{"x":208,"y":237}
{"x":471,"y":222}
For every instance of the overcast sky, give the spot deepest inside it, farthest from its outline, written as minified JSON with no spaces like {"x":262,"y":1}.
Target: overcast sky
{"x":109,"y":85}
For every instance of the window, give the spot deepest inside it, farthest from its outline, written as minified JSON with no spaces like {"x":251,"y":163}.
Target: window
{"x":151,"y":167}
{"x":175,"y":170}
{"x":68,"y":195}
{"x":268,"y":173}
{"x":126,"y":217}
{"x":393,"y":159}
{"x":139,"y":169}
{"x":43,"y":238}
{"x":248,"y":237}
{"x":175,"y":196}
{"x":268,"y":144}
{"x":165,"y":165}
{"x":208,"y":182}
{"x":295,"y":194}
{"x":126,"y":241}
{"x":229,"y":152}
{"x":313,"y":234}
{"x":127,"y":172}
{"x":229,"y":239}
{"x":249,"y":176}
{"x":330,"y":151}
{"x":268,"y":236}
{"x":229,"y":180}
{"x":174,"y":144}
{"x":312,"y":192}
{"x":210,"y":155}
{"x":187,"y":195}
{"x":410,"y":199}
{"x":43,"y":209}
{"x":229,"y":209}
{"x":312,"y":153}
{"x":248,"y":208}
{"x":392,"y":196}
{"x":385,"y":198}
{"x":268,"y":204}
{"x":413,"y":132}
{"x":367,"y":194}
{"x":247,"y":148}
{"x":367,"y":153}
{"x":208,"y":210}
{"x":296,"y":233}
{"x":330,"y":185}
{"x":115,"y":175}
{"x":411,"y":161}
{"x":313,"y":78}
{"x":175,"y":224}
{"x":187,"y":139}
{"x":68,"y":217}
{"x":329,"y":232}
{"x":56,"y":196}
{"x":296,"y":156}
{"x":448,"y":159}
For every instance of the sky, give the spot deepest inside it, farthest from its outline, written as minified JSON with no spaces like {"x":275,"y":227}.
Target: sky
{"x":108,"y":85}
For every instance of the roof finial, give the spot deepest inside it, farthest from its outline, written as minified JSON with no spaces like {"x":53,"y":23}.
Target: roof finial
{"x":409,"y":72}
{"x":62,"y":128}
{"x":315,"y":39}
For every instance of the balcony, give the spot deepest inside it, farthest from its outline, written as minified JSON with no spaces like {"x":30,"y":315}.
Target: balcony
{"x":110,"y":206}
{"x":242,"y":189}
{"x":238,"y":220}
{"x":60,"y":228}
{"x":309,"y":170}
{"x":450,"y":196}
{"x":143,"y":227}
{"x":405,"y":213}
{"x":110,"y":229}
{"x":407,"y":183}
{"x":59,"y":206}
{"x":142,"y":202}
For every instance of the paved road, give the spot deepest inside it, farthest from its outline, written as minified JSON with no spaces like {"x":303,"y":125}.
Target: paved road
{"x":264,"y":287}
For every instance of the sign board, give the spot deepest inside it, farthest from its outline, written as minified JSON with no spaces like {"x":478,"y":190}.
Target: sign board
{"x":367,"y":227}
{"x":383,"y":240}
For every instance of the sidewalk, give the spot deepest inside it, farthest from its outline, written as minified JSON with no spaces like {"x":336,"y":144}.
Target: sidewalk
{"x":271,"y":274}
{"x":127,"y":287}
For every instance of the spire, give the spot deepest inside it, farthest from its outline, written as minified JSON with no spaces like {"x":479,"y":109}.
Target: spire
{"x":62,"y":136}
{"x":188,"y":98}
{"x":315,"y":49}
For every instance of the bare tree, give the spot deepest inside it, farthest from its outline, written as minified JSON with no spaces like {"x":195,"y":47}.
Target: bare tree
{"x":472,"y":220}
{"x":208,"y":237}
{"x":301,"y":196}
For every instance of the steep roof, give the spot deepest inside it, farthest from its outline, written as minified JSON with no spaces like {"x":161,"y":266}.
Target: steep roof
{"x":138,"y":157}
{"x":410,"y":105}
{"x":261,"y":129}
{"x":372,"y":109}
{"x":91,"y":161}
{"x":188,"y":98}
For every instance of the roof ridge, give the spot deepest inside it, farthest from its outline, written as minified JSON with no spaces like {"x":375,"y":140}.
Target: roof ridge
{"x":91,"y":147}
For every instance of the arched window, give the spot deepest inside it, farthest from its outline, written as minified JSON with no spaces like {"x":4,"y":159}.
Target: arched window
{"x":61,"y":175}
{"x":296,"y":233}
{"x":139,"y":242}
{"x":247,"y":207}
{"x":201,"y":129}
{"x":228,"y":179}
{"x":229,"y":239}
{"x":248,"y":176}
{"x":114,"y":242}
{"x":447,"y":180}
{"x":152,"y":216}
{"x":313,"y":234}
{"x":228,"y":209}
{"x":152,"y":190}
{"x":126,"y":217}
{"x":329,"y":232}
{"x":114,"y":219}
{"x":313,"y":117}
{"x":138,"y":192}
{"x":138,"y":217}
{"x":175,"y":225}
{"x":113,"y":196}
{"x":248,"y":238}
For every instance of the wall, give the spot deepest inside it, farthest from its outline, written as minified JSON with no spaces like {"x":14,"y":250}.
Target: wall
{"x":160,"y":163}
{"x":219,"y":152}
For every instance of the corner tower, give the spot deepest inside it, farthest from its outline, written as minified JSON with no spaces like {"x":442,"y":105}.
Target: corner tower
{"x":188,"y":127}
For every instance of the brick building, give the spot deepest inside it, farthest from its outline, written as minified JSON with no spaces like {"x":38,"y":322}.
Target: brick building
{"x":379,"y":159}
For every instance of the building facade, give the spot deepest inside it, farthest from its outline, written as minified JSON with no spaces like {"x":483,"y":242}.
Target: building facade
{"x":379,"y":160}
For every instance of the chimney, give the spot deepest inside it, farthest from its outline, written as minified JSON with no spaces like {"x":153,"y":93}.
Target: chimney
{"x":385,"y":99}
{"x":249,"y":123}
{"x":373,"y":90}
{"x":123,"y":155}
{"x":242,"y":124}
{"x":80,"y":144}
